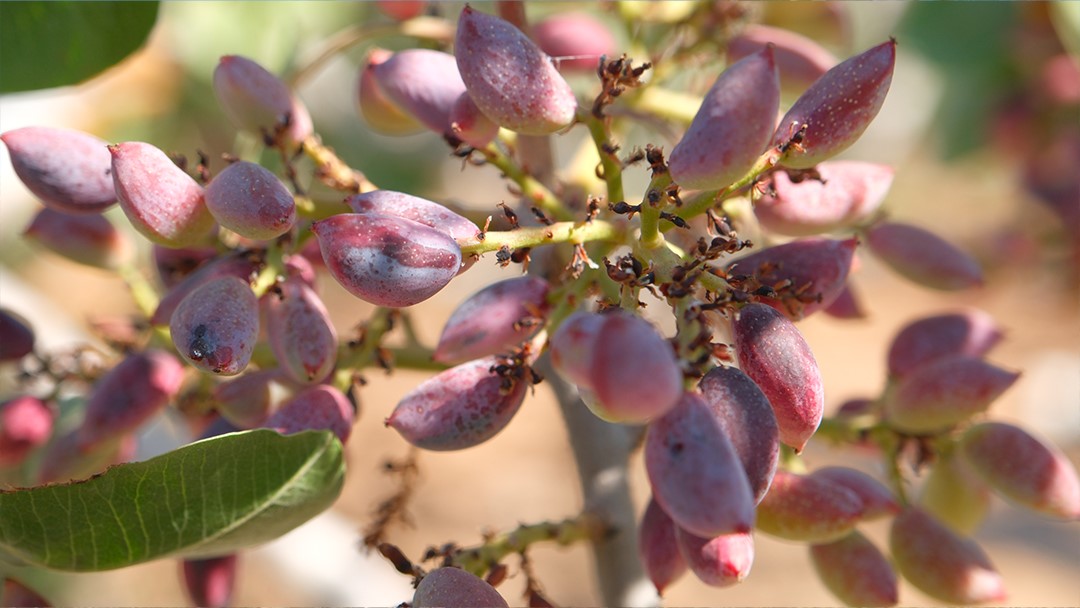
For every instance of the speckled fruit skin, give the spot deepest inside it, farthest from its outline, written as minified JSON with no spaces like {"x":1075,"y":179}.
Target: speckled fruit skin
{"x":257,"y":101}
{"x":775,"y":355}
{"x":969,"y":332}
{"x":800,"y":60}
{"x":695,"y":474}
{"x":450,"y":587}
{"x":511,"y":80}
{"x":856,"y":571}
{"x":576,"y":41}
{"x":491,"y":320}
{"x":380,"y":112}
{"x":924,"y":257}
{"x":387,"y":260}
{"x":941,"y":563}
{"x":90,"y":240}
{"x":748,"y":420}
{"x":722,"y":561}
{"x":162,"y":202}
{"x":805,"y":508}
{"x":469,"y":124}
{"x":605,"y":355}
{"x":318,"y":408}
{"x":838,"y":107}
{"x":877,"y":500}
{"x":67,"y":170}
{"x":215,"y":327}
{"x":459,"y":408}
{"x":423,"y":83}
{"x":659,"y":553}
{"x":732,"y":126}
{"x":236,"y":265}
{"x":251,"y":201}
{"x":300,"y":332}
{"x":130,"y":394}
{"x":1023,"y":469}
{"x":849,"y":192}
{"x":944,"y":393}
{"x":415,"y":208}
{"x":814,"y":266}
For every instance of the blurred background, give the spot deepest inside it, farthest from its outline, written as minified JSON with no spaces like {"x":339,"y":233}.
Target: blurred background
{"x":982,"y":125}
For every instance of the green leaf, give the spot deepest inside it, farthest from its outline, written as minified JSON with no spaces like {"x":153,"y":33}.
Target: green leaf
{"x":208,"y":498}
{"x":52,"y":44}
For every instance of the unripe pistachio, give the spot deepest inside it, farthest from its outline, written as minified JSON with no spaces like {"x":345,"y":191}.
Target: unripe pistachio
{"x":749,"y":422}
{"x":26,"y":423}
{"x":847,"y":193}
{"x":954,"y":494}
{"x":174,"y":264}
{"x":722,"y":561}
{"x":877,"y":500}
{"x":469,"y":124}
{"x":657,"y":548}
{"x":450,"y":587}
{"x":421,"y":210}
{"x":923,"y":257}
{"x":68,"y":170}
{"x":16,"y":337}
{"x":16,"y":593}
{"x":209,"y":581}
{"x":251,"y":201}
{"x":320,"y":407}
{"x":459,"y":408}
{"x":301,"y":334}
{"x":856,"y":571}
{"x":257,"y":101}
{"x":387,"y":260}
{"x":128,"y":395}
{"x":1023,"y":469}
{"x":799,"y":60}
{"x":162,"y":202}
{"x":494,"y":320}
{"x":970,"y":332}
{"x":91,"y":240}
{"x":695,"y":473}
{"x":944,"y":393}
{"x":237,"y":265}
{"x":773,"y":353}
{"x":807,"y":508}
{"x":509,"y":78}
{"x":838,"y":107}
{"x":940,"y":563}
{"x":625,"y":370}
{"x":815,"y":268}
{"x":65,"y":458}
{"x":402,"y":10}
{"x":575,"y":41}
{"x":732,"y":126}
{"x":846,"y":305}
{"x":380,"y":112}
{"x":216,"y":326}
{"x":423,"y":83}
{"x":247,"y":401}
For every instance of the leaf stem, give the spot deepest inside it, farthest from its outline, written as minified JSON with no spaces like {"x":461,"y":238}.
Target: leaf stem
{"x":560,"y":232}
{"x":480,"y":559}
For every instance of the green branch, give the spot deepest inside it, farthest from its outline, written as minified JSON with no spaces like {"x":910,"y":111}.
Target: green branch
{"x":561,"y":232}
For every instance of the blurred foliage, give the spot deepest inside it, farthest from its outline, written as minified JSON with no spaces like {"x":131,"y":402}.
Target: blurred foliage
{"x":52,"y":44}
{"x":967,"y":42}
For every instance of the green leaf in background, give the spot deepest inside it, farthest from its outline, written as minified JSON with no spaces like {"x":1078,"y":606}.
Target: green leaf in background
{"x":52,"y":44}
{"x":207,"y":498}
{"x":968,"y":41}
